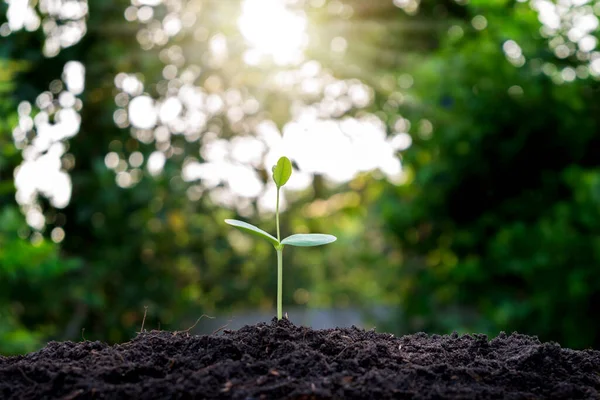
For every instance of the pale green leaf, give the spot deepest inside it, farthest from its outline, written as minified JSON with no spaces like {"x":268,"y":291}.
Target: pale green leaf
{"x":308,"y":240}
{"x":282,"y":171}
{"x":246,"y":227}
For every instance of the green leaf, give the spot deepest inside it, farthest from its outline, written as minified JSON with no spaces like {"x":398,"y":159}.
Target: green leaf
{"x":246,"y":227}
{"x":282,"y":171}
{"x":308,"y":240}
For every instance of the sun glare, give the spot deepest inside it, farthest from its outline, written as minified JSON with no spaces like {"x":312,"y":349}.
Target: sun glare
{"x":272,"y":29}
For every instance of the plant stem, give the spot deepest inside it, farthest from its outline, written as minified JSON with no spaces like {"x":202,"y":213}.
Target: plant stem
{"x":279,"y":282}
{"x":279,"y":263}
{"x":277,"y":216}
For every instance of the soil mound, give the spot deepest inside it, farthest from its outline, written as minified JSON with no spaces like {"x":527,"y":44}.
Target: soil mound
{"x":281,"y":360}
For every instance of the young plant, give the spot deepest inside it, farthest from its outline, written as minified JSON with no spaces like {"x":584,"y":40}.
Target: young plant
{"x":281,"y":174}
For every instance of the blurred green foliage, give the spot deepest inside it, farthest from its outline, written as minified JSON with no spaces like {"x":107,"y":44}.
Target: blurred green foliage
{"x":29,"y":276}
{"x":500,"y":222}
{"x":496,"y":226}
{"x":29,"y":271}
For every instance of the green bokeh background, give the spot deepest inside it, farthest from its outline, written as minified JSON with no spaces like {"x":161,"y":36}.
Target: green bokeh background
{"x":495,"y":226}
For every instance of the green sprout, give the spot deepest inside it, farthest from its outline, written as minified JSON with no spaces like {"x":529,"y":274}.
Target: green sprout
{"x":281,"y":174}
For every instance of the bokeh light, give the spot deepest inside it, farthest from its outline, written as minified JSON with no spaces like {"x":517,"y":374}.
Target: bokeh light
{"x":329,"y":130}
{"x":273,"y":30}
{"x":63,"y":21}
{"x":42,"y":135}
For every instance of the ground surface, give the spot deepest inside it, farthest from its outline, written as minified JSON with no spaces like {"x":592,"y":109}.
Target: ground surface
{"x":281,"y":360}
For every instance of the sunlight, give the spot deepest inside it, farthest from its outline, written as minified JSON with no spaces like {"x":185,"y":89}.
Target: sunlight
{"x":273,"y":30}
{"x":275,"y":34}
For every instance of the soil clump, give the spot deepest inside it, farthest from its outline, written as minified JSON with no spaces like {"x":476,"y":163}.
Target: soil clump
{"x":282,"y":360}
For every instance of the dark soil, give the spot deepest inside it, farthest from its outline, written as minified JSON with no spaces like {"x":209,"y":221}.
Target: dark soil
{"x":281,"y":360}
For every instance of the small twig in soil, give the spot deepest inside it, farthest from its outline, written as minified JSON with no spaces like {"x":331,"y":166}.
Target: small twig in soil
{"x":193,"y":326}
{"x":118,"y":354}
{"x":203,"y":369}
{"x":340,"y":353}
{"x":223,"y":327}
{"x":227,"y":387}
{"x":144,"y":319}
{"x":73,"y":395}
{"x":26,"y":377}
{"x":82,"y":332}
{"x":305,"y":329}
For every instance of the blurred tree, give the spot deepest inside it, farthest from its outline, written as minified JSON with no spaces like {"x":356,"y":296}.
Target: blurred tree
{"x":29,"y":270}
{"x":499,"y":217}
{"x":161,"y":242}
{"x":153,"y":236}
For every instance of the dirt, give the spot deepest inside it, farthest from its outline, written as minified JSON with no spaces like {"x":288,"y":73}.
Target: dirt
{"x":282,"y":360}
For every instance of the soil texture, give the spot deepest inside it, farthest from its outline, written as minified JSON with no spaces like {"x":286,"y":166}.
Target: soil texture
{"x":282,"y":360}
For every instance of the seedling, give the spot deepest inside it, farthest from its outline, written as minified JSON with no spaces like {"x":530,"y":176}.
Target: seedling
{"x":281,"y":174}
